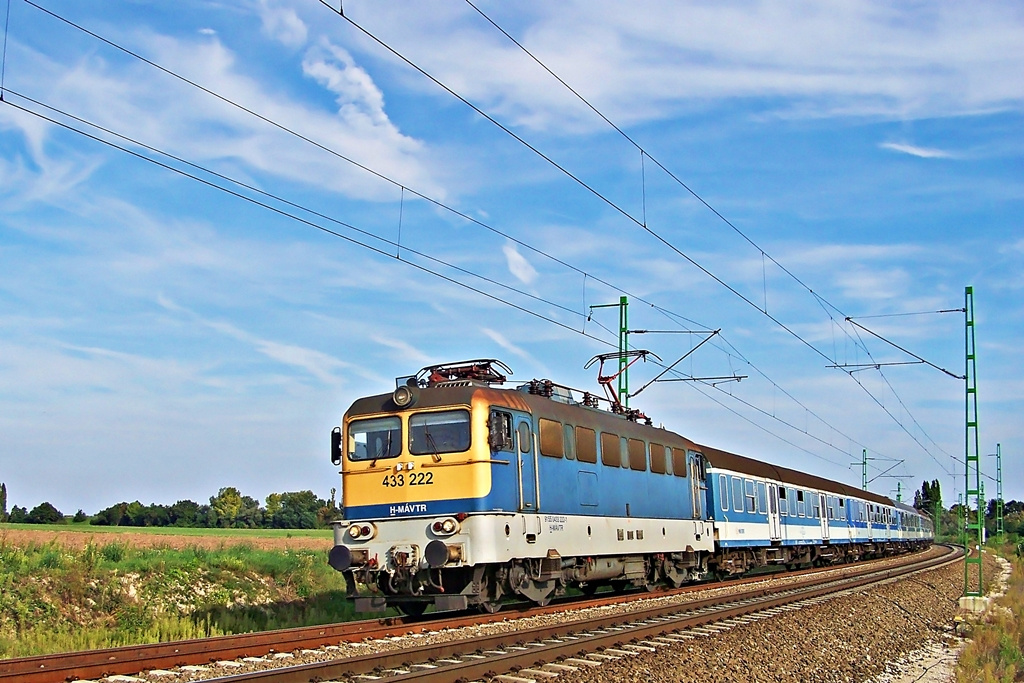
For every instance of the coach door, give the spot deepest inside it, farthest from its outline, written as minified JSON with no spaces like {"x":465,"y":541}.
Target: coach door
{"x":774,"y":524}
{"x":527,"y":466}
{"x":824,"y":516}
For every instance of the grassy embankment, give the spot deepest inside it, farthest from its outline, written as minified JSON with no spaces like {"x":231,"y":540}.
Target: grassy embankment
{"x":57,"y":597}
{"x":995,"y":653}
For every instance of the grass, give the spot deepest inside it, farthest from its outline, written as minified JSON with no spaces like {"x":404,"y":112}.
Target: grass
{"x":55,"y":599}
{"x":995,"y":653}
{"x":173,"y":531}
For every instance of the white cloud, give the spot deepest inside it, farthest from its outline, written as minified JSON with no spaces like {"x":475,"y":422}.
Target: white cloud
{"x":282,"y":24}
{"x":914,"y":150}
{"x":518,"y":265}
{"x":406,"y":351}
{"x":360,"y":101}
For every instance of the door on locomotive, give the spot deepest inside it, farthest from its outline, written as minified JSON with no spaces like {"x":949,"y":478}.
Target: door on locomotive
{"x":696,"y":481}
{"x":527,"y":465}
{"x":823,"y":504}
{"x":774,"y":523}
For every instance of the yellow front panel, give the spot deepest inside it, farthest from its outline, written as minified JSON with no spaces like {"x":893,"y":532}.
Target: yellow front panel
{"x":418,"y":478}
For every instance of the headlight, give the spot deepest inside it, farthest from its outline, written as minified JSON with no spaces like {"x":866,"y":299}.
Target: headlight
{"x":363,"y":531}
{"x":445,"y":527}
{"x":404,"y":396}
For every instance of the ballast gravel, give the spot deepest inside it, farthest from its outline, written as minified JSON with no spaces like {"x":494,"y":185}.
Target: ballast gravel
{"x":878,"y":634}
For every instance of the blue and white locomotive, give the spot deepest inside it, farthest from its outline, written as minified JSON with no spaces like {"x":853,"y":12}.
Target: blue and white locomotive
{"x":458,"y":493}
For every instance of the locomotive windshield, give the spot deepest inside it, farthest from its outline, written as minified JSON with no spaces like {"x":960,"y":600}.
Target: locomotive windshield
{"x":443,"y":432}
{"x":373,"y":439}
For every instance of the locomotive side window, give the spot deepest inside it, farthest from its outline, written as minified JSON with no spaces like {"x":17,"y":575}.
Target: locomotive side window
{"x":723,"y":486}
{"x":624,"y":453}
{"x":443,"y":432}
{"x":586,"y":445}
{"x":610,"y":450}
{"x":737,"y":494}
{"x":637,"y":455}
{"x":551,"y":443}
{"x":783,"y":511}
{"x":679,"y":462}
{"x":657,"y":458}
{"x":500,"y":431}
{"x":373,"y":439}
{"x":570,"y":442}
{"x":525,"y":437}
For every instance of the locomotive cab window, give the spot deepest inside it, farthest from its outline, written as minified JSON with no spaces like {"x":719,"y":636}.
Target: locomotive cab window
{"x":551,"y":438}
{"x":374,"y":439}
{"x":442,"y":432}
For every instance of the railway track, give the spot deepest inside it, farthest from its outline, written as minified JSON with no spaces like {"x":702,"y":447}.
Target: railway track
{"x":460,"y":659}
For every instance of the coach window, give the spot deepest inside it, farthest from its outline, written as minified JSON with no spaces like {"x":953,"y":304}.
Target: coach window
{"x":842,"y":509}
{"x":782,"y":502}
{"x":637,"y":455}
{"x":800,"y":503}
{"x":570,"y":442}
{"x":723,"y":486}
{"x":737,"y":494}
{"x":551,"y":442}
{"x":762,"y":498}
{"x":435,"y":433}
{"x":679,"y":462}
{"x":374,"y":439}
{"x":586,"y":445}
{"x":657,"y":458}
{"x":815,"y":505}
{"x":749,"y":485}
{"x":610,"y":449}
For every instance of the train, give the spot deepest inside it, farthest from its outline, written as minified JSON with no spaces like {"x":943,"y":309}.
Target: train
{"x":459,"y":492}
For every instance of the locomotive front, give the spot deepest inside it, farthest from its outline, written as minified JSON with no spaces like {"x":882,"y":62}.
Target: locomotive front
{"x":416,"y":467}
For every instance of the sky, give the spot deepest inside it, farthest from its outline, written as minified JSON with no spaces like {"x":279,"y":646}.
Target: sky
{"x":223,"y":222}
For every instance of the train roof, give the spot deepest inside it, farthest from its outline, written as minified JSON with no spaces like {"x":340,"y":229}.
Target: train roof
{"x":738,"y":463}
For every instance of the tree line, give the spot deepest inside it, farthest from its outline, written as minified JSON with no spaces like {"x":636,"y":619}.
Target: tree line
{"x":228,"y":509}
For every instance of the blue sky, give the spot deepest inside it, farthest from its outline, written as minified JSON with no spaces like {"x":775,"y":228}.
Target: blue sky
{"x":161,"y":339}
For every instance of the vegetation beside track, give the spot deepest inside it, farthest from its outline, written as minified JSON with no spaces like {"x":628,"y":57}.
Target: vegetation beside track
{"x":995,"y":653}
{"x":57,"y":597}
